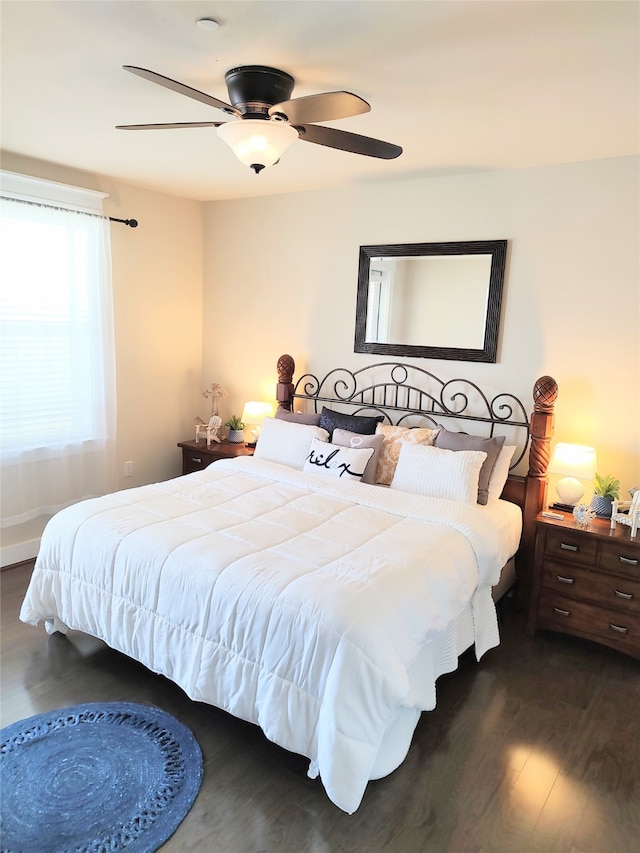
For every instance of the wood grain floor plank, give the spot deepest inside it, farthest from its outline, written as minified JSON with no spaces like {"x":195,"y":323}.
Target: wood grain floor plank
{"x":533,"y":750}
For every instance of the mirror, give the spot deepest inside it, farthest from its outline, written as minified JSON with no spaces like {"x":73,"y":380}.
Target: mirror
{"x":431,"y":300}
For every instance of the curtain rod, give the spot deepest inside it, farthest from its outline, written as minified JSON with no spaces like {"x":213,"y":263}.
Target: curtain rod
{"x":132,"y":223}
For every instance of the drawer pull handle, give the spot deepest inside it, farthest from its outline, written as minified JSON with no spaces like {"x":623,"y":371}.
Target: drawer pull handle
{"x":563,"y":612}
{"x":628,"y":561}
{"x":626,"y":595}
{"x":564,"y":580}
{"x":566,"y":547}
{"x":197,"y":459}
{"x":618,"y":628}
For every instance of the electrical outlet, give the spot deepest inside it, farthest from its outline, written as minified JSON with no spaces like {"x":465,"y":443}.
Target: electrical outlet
{"x":128,"y":469}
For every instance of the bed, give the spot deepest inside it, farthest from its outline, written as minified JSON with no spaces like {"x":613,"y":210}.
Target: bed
{"x":306,"y":589}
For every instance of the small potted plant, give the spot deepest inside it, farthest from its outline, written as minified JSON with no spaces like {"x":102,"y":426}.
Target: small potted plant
{"x":236,"y":430}
{"x":606,"y":490}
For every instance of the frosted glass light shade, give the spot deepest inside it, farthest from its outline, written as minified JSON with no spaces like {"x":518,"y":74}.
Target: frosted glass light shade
{"x":257,"y":142}
{"x":573,"y":462}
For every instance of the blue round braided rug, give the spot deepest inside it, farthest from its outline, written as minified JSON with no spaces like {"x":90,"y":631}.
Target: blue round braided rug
{"x":96,"y":778}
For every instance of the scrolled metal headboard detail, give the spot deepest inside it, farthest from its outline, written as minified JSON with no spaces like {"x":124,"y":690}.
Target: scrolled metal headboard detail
{"x":406,"y":395}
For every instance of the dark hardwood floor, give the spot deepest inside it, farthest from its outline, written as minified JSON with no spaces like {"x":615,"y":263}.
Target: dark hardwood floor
{"x":534,"y":749}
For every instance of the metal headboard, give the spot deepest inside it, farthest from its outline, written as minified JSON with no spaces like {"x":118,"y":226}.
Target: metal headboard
{"x":412,"y":396}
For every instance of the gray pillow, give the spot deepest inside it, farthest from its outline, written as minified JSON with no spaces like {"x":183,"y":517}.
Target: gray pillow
{"x":298,"y":417}
{"x":362,"y":424}
{"x":461,"y":441}
{"x":355,"y":439}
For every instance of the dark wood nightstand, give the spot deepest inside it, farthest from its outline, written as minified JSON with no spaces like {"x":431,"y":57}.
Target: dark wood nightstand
{"x":587,"y":582}
{"x":196,"y":456}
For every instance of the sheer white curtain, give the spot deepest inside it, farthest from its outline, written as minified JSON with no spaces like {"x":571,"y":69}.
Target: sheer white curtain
{"x":57,"y":356}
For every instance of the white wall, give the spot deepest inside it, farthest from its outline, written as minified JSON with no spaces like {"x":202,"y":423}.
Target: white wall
{"x":280,"y":276}
{"x":157,"y":288}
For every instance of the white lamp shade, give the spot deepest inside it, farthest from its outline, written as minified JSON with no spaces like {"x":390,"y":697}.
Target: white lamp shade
{"x":257,"y":142}
{"x":255,"y":412}
{"x":573,"y":462}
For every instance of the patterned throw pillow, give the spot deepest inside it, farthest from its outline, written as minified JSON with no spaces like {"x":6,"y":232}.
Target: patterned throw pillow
{"x":390,"y":450}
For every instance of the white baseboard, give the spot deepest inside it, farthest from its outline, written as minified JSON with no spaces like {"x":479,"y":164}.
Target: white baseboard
{"x":18,"y":553}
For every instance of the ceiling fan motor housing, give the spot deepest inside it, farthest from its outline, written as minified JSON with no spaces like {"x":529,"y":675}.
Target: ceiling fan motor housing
{"x":255,"y":88}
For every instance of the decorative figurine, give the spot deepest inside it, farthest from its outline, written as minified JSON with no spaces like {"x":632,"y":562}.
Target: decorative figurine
{"x":215,"y":391}
{"x":583,"y":515}
{"x":199,"y":424}
{"x":215,"y":422}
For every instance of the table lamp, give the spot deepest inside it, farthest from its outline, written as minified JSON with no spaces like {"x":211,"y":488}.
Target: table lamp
{"x":573,"y":462}
{"x":253,"y":416}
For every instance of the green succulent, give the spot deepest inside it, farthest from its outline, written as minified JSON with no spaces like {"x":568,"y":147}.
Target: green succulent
{"x":606,"y":487}
{"x":234,"y":422}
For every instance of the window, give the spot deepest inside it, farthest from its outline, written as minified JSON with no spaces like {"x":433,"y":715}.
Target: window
{"x":57,"y":377}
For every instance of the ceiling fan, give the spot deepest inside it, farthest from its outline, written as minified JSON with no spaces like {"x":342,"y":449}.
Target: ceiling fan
{"x":268,"y":120}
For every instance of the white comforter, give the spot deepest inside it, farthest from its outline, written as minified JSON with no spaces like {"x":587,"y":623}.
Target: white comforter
{"x":291,"y":600}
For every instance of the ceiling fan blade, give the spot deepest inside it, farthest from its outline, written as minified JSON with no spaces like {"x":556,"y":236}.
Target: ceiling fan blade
{"x":177,"y":124}
{"x":353,"y":142}
{"x":324,"y":107}
{"x":182,"y":89}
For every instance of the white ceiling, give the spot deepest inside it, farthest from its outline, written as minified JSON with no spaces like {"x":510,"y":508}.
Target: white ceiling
{"x":461,"y":86}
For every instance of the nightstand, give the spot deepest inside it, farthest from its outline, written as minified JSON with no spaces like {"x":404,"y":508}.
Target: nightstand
{"x":587,"y":583}
{"x":196,"y":456}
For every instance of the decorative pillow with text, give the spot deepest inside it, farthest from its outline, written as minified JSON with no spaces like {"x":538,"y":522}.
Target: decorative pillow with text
{"x":332,"y":460}
{"x":353,"y":439}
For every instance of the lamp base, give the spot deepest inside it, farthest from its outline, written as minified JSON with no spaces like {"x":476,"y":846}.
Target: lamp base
{"x":562,"y":507}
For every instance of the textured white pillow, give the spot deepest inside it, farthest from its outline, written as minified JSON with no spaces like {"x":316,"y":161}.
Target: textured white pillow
{"x":394,"y":436}
{"x":287,"y":443}
{"x":500,"y":471}
{"x":438,"y":473}
{"x":334,"y":460}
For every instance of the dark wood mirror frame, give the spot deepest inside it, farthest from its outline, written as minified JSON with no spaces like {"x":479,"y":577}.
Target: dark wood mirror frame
{"x":498,"y":251}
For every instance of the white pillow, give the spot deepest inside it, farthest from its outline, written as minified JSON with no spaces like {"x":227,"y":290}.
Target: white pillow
{"x":287,"y":443}
{"x":334,"y":460}
{"x":438,"y":473}
{"x":500,"y":472}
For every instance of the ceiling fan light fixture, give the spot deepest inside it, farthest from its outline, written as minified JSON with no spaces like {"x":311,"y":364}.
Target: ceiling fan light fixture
{"x":257,"y":143}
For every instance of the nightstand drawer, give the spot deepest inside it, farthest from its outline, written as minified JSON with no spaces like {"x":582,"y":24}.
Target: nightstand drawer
{"x":570,"y":546}
{"x":620,"y":557}
{"x":197,"y":455}
{"x":611,"y":627}
{"x":621,"y":594}
{"x":194,"y":460}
